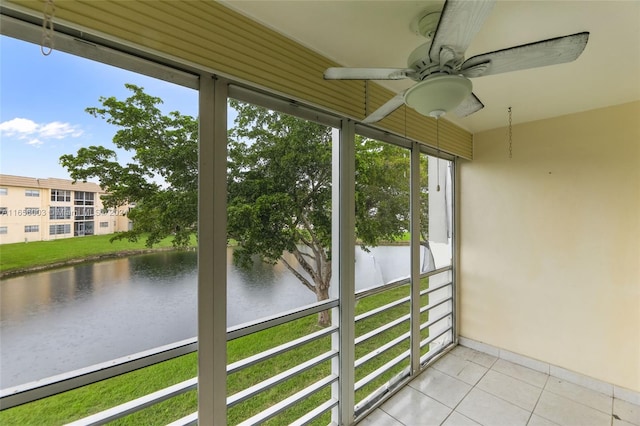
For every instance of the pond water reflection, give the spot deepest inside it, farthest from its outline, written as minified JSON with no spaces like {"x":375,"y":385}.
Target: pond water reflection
{"x":60,"y":320}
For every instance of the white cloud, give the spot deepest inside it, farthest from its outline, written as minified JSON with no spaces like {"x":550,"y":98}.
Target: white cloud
{"x":58,"y":130}
{"x":35,"y":133}
{"x":18,"y":127}
{"x":35,"y":142}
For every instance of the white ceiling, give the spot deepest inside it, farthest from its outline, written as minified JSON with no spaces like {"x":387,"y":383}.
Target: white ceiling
{"x":378,"y":34}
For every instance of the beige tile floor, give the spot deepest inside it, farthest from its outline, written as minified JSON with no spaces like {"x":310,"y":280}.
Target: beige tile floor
{"x":466,"y":387}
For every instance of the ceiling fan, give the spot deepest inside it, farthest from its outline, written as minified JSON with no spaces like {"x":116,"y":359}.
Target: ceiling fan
{"x":441,"y":70}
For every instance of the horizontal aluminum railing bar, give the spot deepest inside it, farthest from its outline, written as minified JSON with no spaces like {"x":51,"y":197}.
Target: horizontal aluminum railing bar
{"x":381,"y":370}
{"x":278,"y":319}
{"x":435,"y":305}
{"x":370,"y":291}
{"x":135,"y":405}
{"x":433,"y":355}
{"x":243,"y":395}
{"x":430,"y":355}
{"x":270,"y":353}
{"x":11,"y":397}
{"x":315,"y":413}
{"x":374,"y":353}
{"x":383,"y":308}
{"x":402,"y":337}
{"x":367,"y":405}
{"x":28,"y":392}
{"x":140,"y":403}
{"x":374,"y":399}
{"x":436,"y":271}
{"x":382,"y":329}
{"x":430,"y":339}
{"x":432,"y":289}
{"x":434,"y":321}
{"x":191,"y":419}
{"x":276,"y":409}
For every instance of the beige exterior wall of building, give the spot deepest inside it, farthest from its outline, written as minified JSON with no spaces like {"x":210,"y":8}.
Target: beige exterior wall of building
{"x":26,"y":209}
{"x":550,"y":242}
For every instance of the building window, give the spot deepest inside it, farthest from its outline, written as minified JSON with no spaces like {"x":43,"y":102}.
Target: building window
{"x":83,"y":213}
{"x":4,"y":191}
{"x":3,"y":211}
{"x":60,"y":195}
{"x":3,"y":229}
{"x":32,"y":192}
{"x":60,"y":229}
{"x":32,"y":228}
{"x":83,"y":199}
{"x":31,"y":211}
{"x":82,"y":228}
{"x":57,"y":213}
{"x":104,"y":224}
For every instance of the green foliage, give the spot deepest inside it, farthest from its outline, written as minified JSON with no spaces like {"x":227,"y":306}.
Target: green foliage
{"x":382,"y":191}
{"x":279,"y":186}
{"x":162,"y":177}
{"x":424,"y":198}
{"x":278,"y":179}
{"x":279,"y":192}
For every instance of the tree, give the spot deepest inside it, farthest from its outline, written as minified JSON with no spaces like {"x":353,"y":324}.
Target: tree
{"x":162,"y":177}
{"x":279,"y":193}
{"x":279,"y":183}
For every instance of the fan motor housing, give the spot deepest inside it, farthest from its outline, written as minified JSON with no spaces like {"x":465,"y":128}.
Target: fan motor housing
{"x":438,"y":94}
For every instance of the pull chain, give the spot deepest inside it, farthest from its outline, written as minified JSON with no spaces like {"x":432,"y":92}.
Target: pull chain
{"x":46,"y":47}
{"x":405,"y":134}
{"x":510,"y":136}
{"x":438,"y":148}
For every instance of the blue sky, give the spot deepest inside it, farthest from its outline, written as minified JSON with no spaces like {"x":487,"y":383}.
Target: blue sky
{"x":43,"y":101}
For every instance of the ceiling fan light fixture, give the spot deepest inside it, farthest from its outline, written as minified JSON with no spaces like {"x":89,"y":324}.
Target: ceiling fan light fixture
{"x":438,"y":94}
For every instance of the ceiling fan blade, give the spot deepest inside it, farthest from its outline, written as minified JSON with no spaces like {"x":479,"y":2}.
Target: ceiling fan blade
{"x":539,"y":54}
{"x":468,"y":106}
{"x":367,"y":73}
{"x":459,"y":23}
{"x":391,"y":105}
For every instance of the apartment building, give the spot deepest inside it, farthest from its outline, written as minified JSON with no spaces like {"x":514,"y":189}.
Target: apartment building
{"x":33,"y":209}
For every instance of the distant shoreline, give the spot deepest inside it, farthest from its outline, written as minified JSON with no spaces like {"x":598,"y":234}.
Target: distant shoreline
{"x":119,"y":254}
{"x":91,"y":258}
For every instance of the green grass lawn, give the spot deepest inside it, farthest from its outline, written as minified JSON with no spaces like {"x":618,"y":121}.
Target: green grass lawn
{"x":19,"y":256}
{"x":91,"y":399}
{"x":78,"y":403}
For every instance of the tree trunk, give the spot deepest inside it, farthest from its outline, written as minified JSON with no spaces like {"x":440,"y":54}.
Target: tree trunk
{"x":322,"y":293}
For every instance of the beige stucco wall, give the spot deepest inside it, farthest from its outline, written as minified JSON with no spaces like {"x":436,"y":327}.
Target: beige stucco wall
{"x":550,"y":242}
{"x":16,"y":219}
{"x":15,"y":201}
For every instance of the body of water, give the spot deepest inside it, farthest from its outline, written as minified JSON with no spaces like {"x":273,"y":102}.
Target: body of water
{"x":60,"y":320}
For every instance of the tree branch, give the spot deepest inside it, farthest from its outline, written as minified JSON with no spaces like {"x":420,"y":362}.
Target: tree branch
{"x":306,"y":266}
{"x":299,"y":276}
{"x":316,"y":247}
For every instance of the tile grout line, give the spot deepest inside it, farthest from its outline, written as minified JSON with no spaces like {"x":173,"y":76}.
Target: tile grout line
{"x":389,"y":414}
{"x":580,"y":402}
{"x":595,"y":386}
{"x":504,"y":400}
{"x":538,"y":400}
{"x":468,"y":392}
